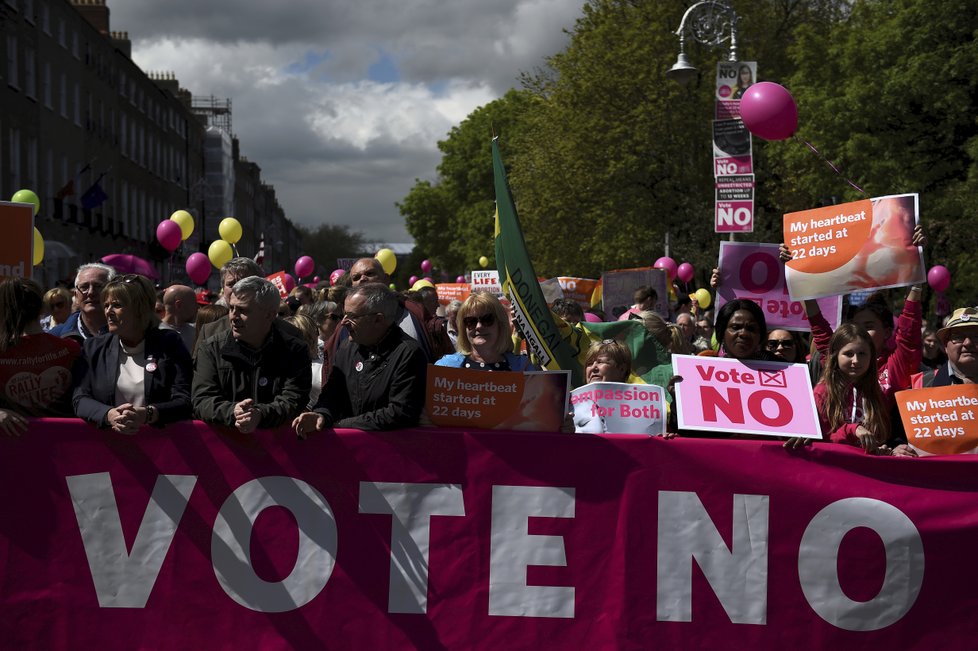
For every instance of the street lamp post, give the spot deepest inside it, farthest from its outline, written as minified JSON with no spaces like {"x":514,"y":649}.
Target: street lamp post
{"x":708,"y":22}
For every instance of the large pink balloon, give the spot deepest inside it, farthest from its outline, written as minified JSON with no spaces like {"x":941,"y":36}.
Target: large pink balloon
{"x":668,"y":265}
{"x":304,"y":266}
{"x":426,"y":266}
{"x":412,"y":280}
{"x":289,"y":282}
{"x":335,"y":276}
{"x":769,"y":111}
{"x":169,"y":234}
{"x":685,"y":272}
{"x":939,"y":278}
{"x":198,"y":268}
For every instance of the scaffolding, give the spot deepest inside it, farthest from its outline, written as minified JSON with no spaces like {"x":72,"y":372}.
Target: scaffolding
{"x":216,"y":111}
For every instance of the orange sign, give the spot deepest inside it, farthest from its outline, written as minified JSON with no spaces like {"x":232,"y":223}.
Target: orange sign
{"x":578,"y":289}
{"x":459,"y":397}
{"x":941,"y":420}
{"x":17,"y":243}
{"x":823,"y":239}
{"x":448,"y":292}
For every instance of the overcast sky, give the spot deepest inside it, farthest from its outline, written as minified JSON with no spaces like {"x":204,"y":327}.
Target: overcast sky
{"x":342,"y":103}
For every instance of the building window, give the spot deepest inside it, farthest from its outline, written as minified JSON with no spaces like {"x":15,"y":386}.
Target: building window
{"x":63,"y":94}
{"x":30,"y":74}
{"x":74,"y":44}
{"x":46,"y":83}
{"x":61,"y":33}
{"x":15,"y":158}
{"x":46,"y":18}
{"x":77,"y":104}
{"x":12,"y":77}
{"x":29,"y":11}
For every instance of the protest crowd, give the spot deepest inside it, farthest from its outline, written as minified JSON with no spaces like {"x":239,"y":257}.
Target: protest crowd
{"x":121,"y":353}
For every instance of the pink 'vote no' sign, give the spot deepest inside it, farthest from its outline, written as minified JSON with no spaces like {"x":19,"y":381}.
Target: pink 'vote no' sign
{"x":749,"y":397}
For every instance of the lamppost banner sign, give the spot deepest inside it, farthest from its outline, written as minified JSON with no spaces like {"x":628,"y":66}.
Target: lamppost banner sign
{"x":733,"y":79}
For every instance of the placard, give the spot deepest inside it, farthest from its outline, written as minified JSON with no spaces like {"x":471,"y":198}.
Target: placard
{"x":733,"y":79}
{"x":17,"y":243}
{"x":486,"y":280}
{"x":941,"y":420}
{"x":722,"y":394}
{"x":578,"y":290}
{"x":619,"y":408}
{"x":618,"y":289}
{"x":755,"y":272}
{"x":864,"y":244}
{"x":278,"y":279}
{"x":461,"y":397}
{"x":448,"y":292}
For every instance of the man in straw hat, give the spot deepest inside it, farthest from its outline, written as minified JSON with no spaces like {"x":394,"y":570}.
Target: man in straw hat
{"x":960,"y":340}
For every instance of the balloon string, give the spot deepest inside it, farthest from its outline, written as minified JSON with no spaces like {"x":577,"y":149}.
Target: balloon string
{"x":834,"y":168}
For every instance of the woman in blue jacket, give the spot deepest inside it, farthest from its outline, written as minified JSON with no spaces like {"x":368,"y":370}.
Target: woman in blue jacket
{"x":485,"y":338}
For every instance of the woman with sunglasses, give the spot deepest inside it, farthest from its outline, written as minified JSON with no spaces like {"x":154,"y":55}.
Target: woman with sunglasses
{"x":786,"y":346}
{"x":485,"y":338}
{"x":136,"y":373}
{"x":57,"y":307}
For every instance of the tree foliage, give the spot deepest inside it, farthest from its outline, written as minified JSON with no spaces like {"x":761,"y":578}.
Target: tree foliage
{"x":327,"y":242}
{"x":605,"y":155}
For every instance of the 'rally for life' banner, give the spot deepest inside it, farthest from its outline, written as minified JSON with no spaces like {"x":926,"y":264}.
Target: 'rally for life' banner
{"x":864,"y":244}
{"x":461,"y":397}
{"x":191,"y":537}
{"x":722,"y":394}
{"x":619,"y":408}
{"x":941,"y":420}
{"x":17,"y":243}
{"x":754,"y":271}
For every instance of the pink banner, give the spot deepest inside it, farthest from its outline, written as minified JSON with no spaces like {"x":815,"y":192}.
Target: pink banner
{"x":755,"y":272}
{"x":442,"y":539}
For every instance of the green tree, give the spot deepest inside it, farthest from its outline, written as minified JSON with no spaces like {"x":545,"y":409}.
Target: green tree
{"x":451,"y":220}
{"x":890,"y":95}
{"x":327,"y":242}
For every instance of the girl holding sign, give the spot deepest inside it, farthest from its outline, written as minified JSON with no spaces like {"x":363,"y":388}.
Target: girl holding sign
{"x":850,"y":403}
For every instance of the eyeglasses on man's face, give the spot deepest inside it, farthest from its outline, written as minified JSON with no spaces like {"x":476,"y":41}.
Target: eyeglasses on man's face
{"x":349,"y":316}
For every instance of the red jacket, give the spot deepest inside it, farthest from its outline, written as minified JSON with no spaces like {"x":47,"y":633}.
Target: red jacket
{"x":845,"y":433}
{"x":896,"y":366}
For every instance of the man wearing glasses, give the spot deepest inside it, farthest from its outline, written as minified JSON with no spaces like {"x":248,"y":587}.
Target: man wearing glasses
{"x":960,"y":339}
{"x":378,"y":380}
{"x":89,"y":320}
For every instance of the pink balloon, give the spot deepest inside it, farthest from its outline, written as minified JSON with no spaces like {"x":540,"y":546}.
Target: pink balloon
{"x":335,"y":276}
{"x":169,"y":234}
{"x":668,"y":265}
{"x":460,"y":279}
{"x":315,"y":279}
{"x":685,"y":272}
{"x":289,"y":282}
{"x":591,"y":317}
{"x":198,"y":268}
{"x":426,"y":266}
{"x":939,"y":278}
{"x":428,"y":278}
{"x":304,"y":266}
{"x":412,"y":280}
{"x":769,"y":111}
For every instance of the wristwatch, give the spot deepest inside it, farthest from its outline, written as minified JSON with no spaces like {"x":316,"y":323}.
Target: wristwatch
{"x":152,"y":414}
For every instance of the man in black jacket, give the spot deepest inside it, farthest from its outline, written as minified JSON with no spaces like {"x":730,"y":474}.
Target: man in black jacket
{"x":378,"y":379}
{"x":255,"y":374}
{"x":960,"y":339}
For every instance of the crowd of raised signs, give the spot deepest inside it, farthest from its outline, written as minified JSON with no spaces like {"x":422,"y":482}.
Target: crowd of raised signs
{"x":120,"y":353}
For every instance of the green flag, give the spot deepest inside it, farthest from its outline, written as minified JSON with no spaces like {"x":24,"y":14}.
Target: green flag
{"x":520,"y":284}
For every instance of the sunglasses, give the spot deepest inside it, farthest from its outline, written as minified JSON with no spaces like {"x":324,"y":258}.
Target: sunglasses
{"x":488,"y":320}
{"x":774,"y":344}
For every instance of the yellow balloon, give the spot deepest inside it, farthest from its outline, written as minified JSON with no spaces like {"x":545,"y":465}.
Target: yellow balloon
{"x":230,"y":230}
{"x":483,"y":262}
{"x":703,"y":298}
{"x":421,"y":283}
{"x":186,"y":222}
{"x":38,"y":247}
{"x":387,"y":260}
{"x":219,"y":253}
